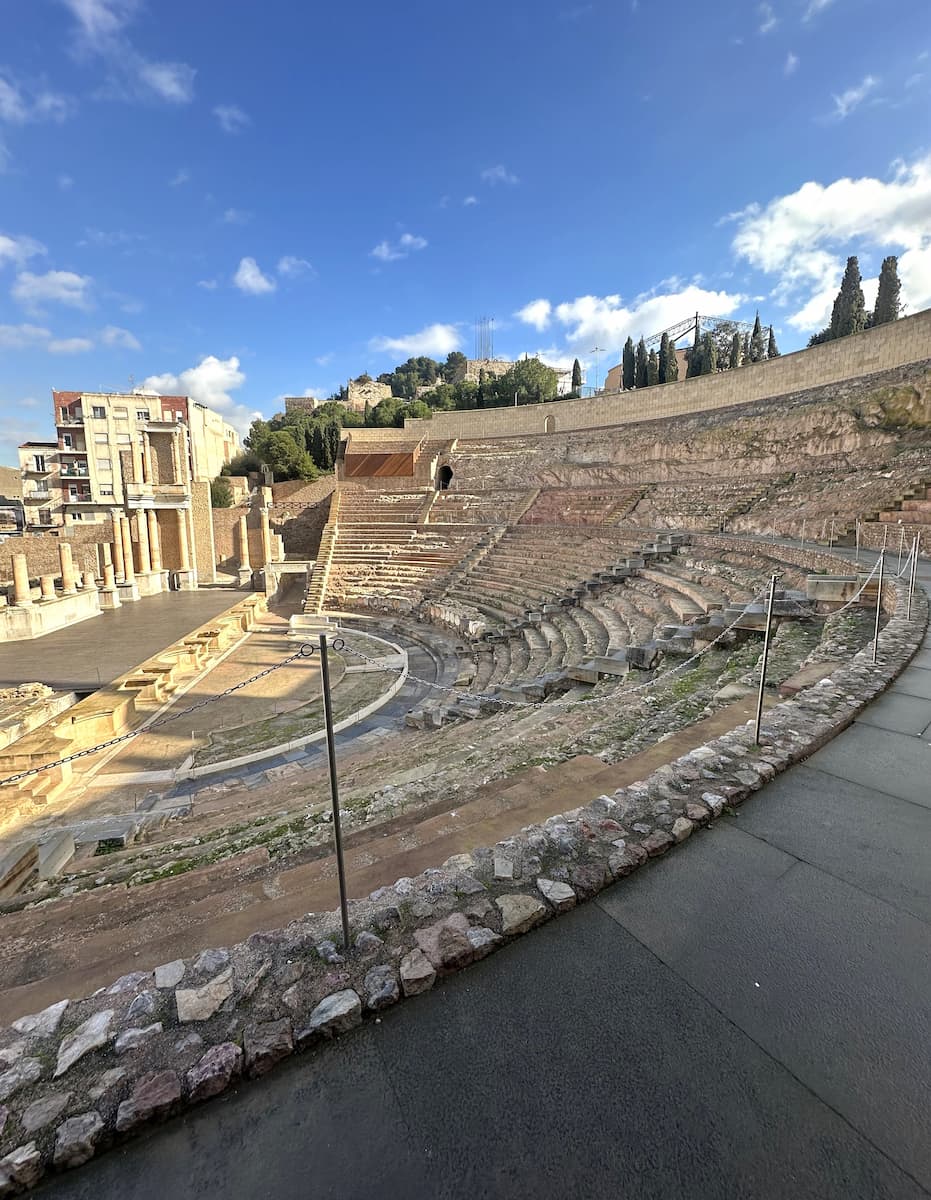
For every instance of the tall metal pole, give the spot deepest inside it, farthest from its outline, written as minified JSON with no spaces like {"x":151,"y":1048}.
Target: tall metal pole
{"x":769,"y":626}
{"x":911,"y":578}
{"x":803,"y":533}
{"x":334,"y":788}
{"x":596,"y":350}
{"x":857,"y":559}
{"x":879,"y":597}
{"x":901,"y":544}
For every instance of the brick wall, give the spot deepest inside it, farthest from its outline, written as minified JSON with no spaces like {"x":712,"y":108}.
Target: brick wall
{"x":893,"y":345}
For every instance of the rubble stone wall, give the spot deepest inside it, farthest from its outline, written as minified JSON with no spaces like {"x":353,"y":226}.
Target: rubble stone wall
{"x":41,"y":550}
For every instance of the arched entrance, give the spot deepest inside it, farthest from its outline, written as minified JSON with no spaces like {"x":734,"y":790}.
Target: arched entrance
{"x":549,"y":425}
{"x":444,"y":478}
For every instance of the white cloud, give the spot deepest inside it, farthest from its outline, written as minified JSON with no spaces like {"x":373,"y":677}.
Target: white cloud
{"x":470,"y":200}
{"x":249,"y":279}
{"x":18,"y":249}
{"x":391,"y":251}
{"x":292,"y":267}
{"x":65,"y":183}
{"x":54,"y":287}
{"x":607,"y":321}
{"x":210,"y":383}
{"x":113,"y":335}
{"x":100,"y":32}
{"x":74,"y":345}
{"x":803,"y":238}
{"x":846,"y":102}
{"x":815,"y":7}
{"x":209,"y":285}
{"x":20,"y":337}
{"x":536,"y":313}
{"x":110,"y":237}
{"x":768,"y":19}
{"x":232,"y":118}
{"x":791,"y":64}
{"x":22,"y":103}
{"x":499,"y":174}
{"x":324,"y":360}
{"x":182,"y":175}
{"x":236,"y":216}
{"x":434,"y":340}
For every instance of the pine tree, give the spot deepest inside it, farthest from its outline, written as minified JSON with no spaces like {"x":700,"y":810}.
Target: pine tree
{"x":576,"y":376}
{"x":849,"y":312}
{"x":772,"y":350}
{"x":663,"y":356}
{"x":756,"y":341}
{"x":734,"y":360}
{"x":672,"y":363}
{"x":628,"y":369}
{"x":640,"y":371}
{"x":652,"y":369}
{"x":887,"y":298}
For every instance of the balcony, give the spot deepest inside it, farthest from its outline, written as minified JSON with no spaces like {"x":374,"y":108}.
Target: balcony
{"x":72,"y":449}
{"x":37,"y":495}
{"x":67,"y":419}
{"x":46,"y":469}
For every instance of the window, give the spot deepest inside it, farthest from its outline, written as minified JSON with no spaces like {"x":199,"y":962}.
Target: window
{"x":104,"y":464}
{"x":123,"y":438}
{"x":72,"y":493}
{"x":101,"y":438}
{"x":67,"y":441}
{"x":142,"y":414}
{"x":78,"y":516}
{"x":39,"y":461}
{"x":106,"y":491}
{"x":99,"y":412}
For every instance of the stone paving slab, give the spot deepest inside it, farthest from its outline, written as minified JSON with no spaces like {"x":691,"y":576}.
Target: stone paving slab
{"x":915,"y":681}
{"x":898,"y":712}
{"x":829,"y":980}
{"x":893,"y":763}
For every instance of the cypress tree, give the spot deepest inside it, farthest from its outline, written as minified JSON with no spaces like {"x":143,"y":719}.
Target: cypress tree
{"x":734,"y":360}
{"x":652,"y":369}
{"x":756,"y":341}
{"x":628,"y":371}
{"x":640,"y":372}
{"x":887,"y":298}
{"x":669,"y":364}
{"x":849,"y":312}
{"x":367,"y":415}
{"x":663,"y":356}
{"x":772,"y":350}
{"x":745,"y":349}
{"x":695,"y":357}
{"x":709,"y":355}
{"x":576,"y":376}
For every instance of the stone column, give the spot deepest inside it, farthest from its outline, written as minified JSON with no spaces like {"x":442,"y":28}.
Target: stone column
{"x":109,"y":594}
{"x":109,"y":577}
{"x":21,"y":594}
{"x":90,"y":581}
{"x":142,"y":544}
{"x":279,"y":543}
{"x":118,"y":550}
{"x":47,"y":586}
{"x":138,"y":476}
{"x":129,"y":572}
{"x":183,"y":548}
{"x":245,"y":570}
{"x":146,"y":459}
{"x":266,"y":537}
{"x":68,"y":584}
{"x":155,"y":544}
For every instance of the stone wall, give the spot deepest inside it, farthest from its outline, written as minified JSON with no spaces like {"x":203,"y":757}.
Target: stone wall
{"x":202,"y":550}
{"x":880,"y":349}
{"x":41,"y":550}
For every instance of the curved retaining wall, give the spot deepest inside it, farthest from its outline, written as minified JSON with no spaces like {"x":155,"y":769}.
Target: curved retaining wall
{"x":82,"y":1075}
{"x":894,"y":345}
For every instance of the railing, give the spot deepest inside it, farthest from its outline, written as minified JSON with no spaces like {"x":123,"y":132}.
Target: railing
{"x":37,"y":494}
{"x":70,"y":420}
{"x":75,"y":474}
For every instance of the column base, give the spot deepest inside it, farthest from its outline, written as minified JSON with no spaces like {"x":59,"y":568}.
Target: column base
{"x":128,"y":592}
{"x":187,"y":580}
{"x":149,"y":583}
{"x":245,"y":577}
{"x":109,"y":598}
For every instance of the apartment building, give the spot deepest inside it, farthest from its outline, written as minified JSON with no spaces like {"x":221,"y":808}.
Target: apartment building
{"x":39,"y":466}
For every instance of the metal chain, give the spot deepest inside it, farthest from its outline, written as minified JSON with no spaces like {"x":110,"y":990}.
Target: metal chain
{"x":304,"y":651}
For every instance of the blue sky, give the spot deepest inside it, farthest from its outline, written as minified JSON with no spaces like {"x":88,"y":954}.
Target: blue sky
{"x":243,"y":201}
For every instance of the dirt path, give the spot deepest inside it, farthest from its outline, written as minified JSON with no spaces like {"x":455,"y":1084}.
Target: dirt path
{"x":72,"y":946}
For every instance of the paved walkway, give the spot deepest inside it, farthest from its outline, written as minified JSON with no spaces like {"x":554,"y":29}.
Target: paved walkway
{"x":747,"y":1017}
{"x":93,"y":652}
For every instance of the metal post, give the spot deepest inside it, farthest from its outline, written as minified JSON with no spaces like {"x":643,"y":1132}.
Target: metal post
{"x":803,"y":533}
{"x":769,"y":626}
{"x":774,"y":530}
{"x":857,"y":559}
{"x":901,"y":545}
{"x":885,"y":536}
{"x":334,"y":788}
{"x":831,"y":540}
{"x":879,"y":597}
{"x":911,"y":578}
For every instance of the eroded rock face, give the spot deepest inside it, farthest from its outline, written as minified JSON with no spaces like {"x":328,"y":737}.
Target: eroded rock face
{"x":336,"y":1014}
{"x":381,"y":988}
{"x":153,"y":1098}
{"x":44,"y":1023}
{"x":417,"y":973}
{"x":77,"y":1139}
{"x":560,"y":895}
{"x":520,"y":913}
{"x":446,"y":943}
{"x":200,"y":1003}
{"x":26,"y":1071}
{"x":43,"y":1112}
{"x":265,"y":1044}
